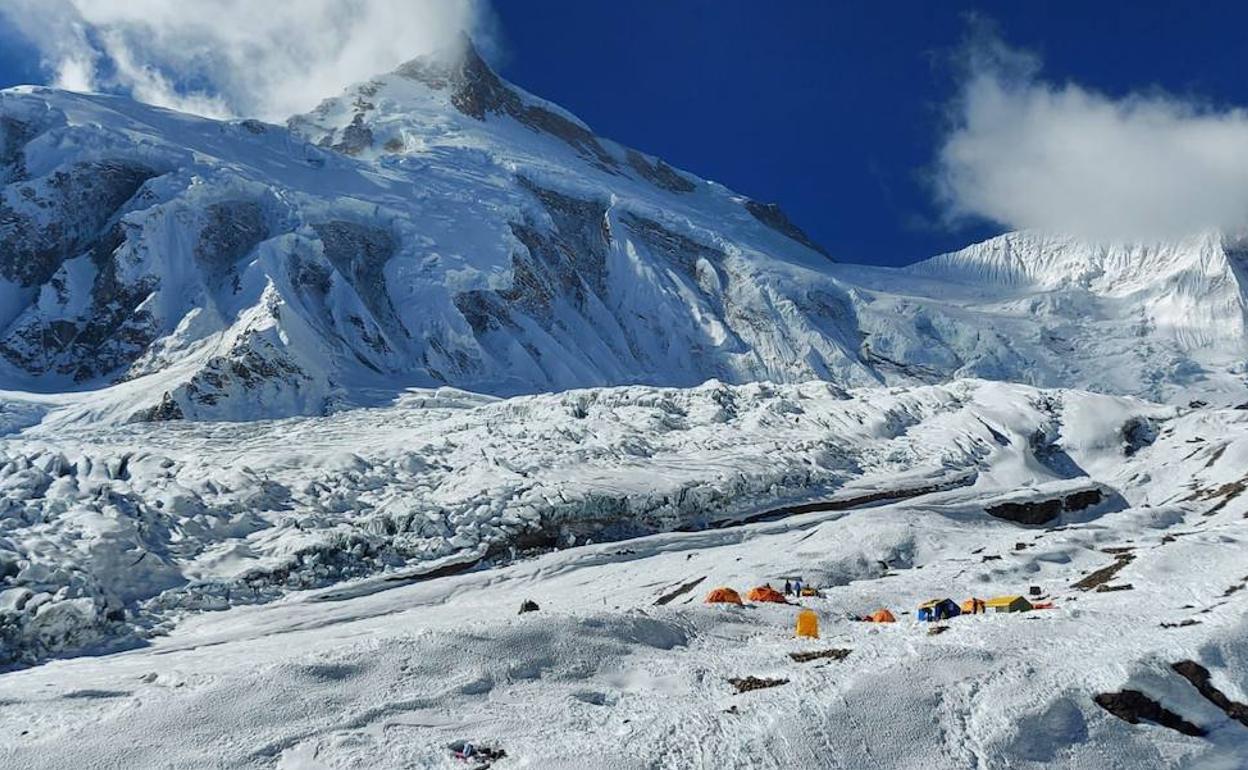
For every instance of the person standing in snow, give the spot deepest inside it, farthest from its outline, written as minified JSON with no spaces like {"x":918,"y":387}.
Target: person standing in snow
{"x":797,"y":587}
{"x":788,"y":588}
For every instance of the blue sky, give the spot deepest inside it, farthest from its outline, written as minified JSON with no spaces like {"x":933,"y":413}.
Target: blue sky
{"x":837,"y":111}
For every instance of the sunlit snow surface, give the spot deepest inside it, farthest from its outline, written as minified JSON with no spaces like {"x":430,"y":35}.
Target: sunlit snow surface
{"x":255,"y":510}
{"x":386,"y":673}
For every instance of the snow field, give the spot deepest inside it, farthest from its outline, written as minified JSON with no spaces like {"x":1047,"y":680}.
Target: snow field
{"x":387,"y":672}
{"x":601,"y":677}
{"x":119,"y":530}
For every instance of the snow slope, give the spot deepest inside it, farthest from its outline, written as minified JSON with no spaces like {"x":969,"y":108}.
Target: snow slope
{"x":232,"y":270}
{"x":388,"y":673}
{"x":1162,"y":321}
{"x":111,"y":532}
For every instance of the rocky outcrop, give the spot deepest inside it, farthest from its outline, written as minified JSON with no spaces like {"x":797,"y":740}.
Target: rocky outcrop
{"x":659,"y":173}
{"x":359,"y":254}
{"x":1138,"y":434}
{"x":476,"y":91}
{"x":231,"y":230}
{"x":167,"y":410}
{"x":1102,"y":576}
{"x":14,"y":134}
{"x":774,"y":217}
{"x":1134,"y":707}
{"x":566,"y":263}
{"x":1033,"y":513}
{"x":47,"y":221}
{"x":104,"y":337}
{"x":1198,"y":676}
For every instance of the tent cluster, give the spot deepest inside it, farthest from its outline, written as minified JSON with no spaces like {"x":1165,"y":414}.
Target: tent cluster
{"x":759,"y":594}
{"x":807,"y":620}
{"x":943,"y":609}
{"x":931,"y":610}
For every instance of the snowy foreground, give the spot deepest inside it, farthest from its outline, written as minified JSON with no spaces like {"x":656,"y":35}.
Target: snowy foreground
{"x":137,"y":536}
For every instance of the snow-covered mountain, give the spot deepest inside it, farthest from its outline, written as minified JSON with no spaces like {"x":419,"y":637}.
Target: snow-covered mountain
{"x":301,"y":414}
{"x":1163,"y":321}
{"x":453,"y":230}
{"x":437,"y":225}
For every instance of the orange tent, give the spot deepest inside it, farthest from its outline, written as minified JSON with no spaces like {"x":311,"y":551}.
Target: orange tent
{"x":808,"y":624}
{"x":974,"y":606}
{"x":723,"y":595}
{"x":881,"y":616}
{"x":766,"y":594}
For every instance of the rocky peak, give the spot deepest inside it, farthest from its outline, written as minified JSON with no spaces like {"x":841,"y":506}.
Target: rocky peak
{"x":475,"y":89}
{"x":774,"y":217}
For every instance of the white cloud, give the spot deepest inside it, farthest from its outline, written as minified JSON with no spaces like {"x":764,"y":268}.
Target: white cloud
{"x":1026,"y":153}
{"x":234,"y":57}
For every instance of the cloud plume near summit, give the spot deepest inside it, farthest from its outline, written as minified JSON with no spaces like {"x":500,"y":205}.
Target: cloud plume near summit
{"x":234,"y":57}
{"x":1027,"y":153}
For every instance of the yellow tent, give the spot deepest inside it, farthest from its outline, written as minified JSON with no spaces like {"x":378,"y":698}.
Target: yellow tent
{"x":808,"y":624}
{"x":1008,"y":604}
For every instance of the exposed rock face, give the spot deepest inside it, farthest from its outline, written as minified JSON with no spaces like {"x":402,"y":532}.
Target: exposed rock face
{"x":565,"y":272}
{"x":1102,"y":576}
{"x":681,"y":252}
{"x":1037,"y":512}
{"x":659,"y":173}
{"x":1134,"y":706}
{"x":1137,"y":434}
{"x":477,"y":92}
{"x":14,"y":134}
{"x":166,"y":411}
{"x":771,"y":215}
{"x":47,"y":221}
{"x":751,"y":683}
{"x":1198,"y":676}
{"x":528,"y":605}
{"x":253,"y":367}
{"x":63,"y":237}
{"x":359,"y":254}
{"x":231,"y":230}
{"x":356,"y":138}
{"x":567,"y":263}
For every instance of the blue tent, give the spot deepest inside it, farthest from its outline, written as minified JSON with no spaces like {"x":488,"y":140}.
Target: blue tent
{"x":938,"y":609}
